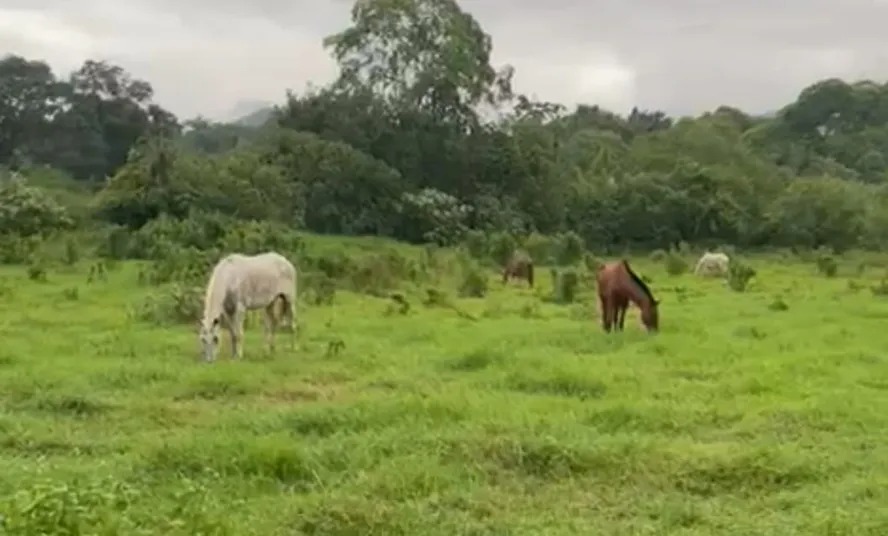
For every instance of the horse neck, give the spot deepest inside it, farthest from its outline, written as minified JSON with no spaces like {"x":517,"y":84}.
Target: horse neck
{"x":214,"y":299}
{"x":638,"y":296}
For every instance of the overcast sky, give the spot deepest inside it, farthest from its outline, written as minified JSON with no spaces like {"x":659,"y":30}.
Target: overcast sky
{"x":682,"y":56}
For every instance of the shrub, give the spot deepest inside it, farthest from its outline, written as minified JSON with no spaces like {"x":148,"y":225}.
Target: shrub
{"x":254,"y":237}
{"x":502,"y":246}
{"x":826,"y":263}
{"x":71,"y":294}
{"x":37,"y":271}
{"x":375,"y":274}
{"x":30,"y":211}
{"x":98,"y":271}
{"x":476,"y":244}
{"x":592,"y":263}
{"x":881,"y":289}
{"x":565,"y":285}
{"x":739,"y":274}
{"x":541,"y":248}
{"x":399,"y":305}
{"x":15,"y":249}
{"x":570,"y":249}
{"x":334,"y":265}
{"x":436,"y":298}
{"x":434,"y":216}
{"x":474,"y":282}
{"x":180,"y":304}
{"x":317,"y":288}
{"x":116,"y":243}
{"x":778,"y":304}
{"x":675,"y":263}
{"x":72,"y":252}
{"x":200,"y":230}
{"x":187,"y":265}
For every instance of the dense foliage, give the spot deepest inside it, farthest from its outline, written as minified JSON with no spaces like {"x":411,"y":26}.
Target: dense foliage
{"x":398,"y":146}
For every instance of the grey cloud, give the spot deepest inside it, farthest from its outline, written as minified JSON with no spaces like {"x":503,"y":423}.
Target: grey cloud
{"x":683,"y":56}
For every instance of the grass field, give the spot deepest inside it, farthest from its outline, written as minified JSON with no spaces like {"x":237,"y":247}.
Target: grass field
{"x":519,"y":417}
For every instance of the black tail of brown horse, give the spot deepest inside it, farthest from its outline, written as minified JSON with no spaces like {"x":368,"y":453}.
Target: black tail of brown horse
{"x":530,"y":274}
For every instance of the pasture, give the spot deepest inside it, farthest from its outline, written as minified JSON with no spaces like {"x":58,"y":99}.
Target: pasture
{"x":746,"y":414}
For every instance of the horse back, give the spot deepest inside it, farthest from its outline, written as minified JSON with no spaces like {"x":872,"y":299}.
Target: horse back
{"x":611,"y":276}
{"x":262,"y":278}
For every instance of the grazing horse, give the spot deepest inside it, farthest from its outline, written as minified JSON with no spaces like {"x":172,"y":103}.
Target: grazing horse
{"x":520,"y":265}
{"x":712,"y":265}
{"x":240,"y":283}
{"x":617,"y":286}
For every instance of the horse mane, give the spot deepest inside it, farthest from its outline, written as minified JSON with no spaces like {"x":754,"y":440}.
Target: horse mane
{"x":217,"y":290}
{"x":639,"y":282}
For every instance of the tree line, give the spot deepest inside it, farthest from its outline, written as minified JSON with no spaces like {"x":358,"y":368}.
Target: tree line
{"x":421,"y":138}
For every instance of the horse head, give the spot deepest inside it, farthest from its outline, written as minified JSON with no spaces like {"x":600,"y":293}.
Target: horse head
{"x":208,"y":333}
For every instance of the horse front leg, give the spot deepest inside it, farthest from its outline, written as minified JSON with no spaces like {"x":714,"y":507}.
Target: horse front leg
{"x":236,"y":331}
{"x":621,"y":315}
{"x":605,"y":313}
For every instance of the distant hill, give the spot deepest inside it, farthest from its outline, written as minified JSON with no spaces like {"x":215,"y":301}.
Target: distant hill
{"x":250,"y":113}
{"x":256,"y":118}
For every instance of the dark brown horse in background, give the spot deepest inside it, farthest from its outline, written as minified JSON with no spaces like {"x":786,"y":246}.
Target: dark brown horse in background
{"x":520,"y":265}
{"x":617,"y":286}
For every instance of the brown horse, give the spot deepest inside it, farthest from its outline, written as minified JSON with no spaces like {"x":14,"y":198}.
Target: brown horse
{"x":520,"y":265}
{"x":617,"y":286}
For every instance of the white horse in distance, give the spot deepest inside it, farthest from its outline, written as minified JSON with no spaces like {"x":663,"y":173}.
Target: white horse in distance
{"x":240,"y":283}
{"x":712,"y":265}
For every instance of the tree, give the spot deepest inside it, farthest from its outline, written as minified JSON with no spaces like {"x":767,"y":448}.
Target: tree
{"x":30,"y":96}
{"x":425,"y":54}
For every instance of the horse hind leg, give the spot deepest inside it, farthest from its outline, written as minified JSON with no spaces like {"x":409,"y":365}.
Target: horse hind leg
{"x":270,"y":322}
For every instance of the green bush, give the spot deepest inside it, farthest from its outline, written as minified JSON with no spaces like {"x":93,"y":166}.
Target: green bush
{"x":180,"y":304}
{"x":376,"y":274}
{"x":476,"y":245}
{"x":317,"y":288}
{"x":184,"y":265}
{"x":37,"y":271}
{"x":566,"y":285}
{"x":15,"y":249}
{"x":474,"y":282}
{"x":739,"y":274}
{"x":116,"y":243}
{"x":826,"y":263}
{"x":502,"y":246}
{"x":541,"y":248}
{"x":72,"y":252}
{"x":675,"y":263}
{"x":30,"y":211}
{"x":592,"y":263}
{"x":570,"y":249}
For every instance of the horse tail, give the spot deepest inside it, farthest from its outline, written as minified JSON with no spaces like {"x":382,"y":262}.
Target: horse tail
{"x":287,"y":306}
{"x":530,"y":274}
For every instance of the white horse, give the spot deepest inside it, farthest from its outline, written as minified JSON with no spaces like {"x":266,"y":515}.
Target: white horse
{"x":712,"y":265}
{"x":240,"y":283}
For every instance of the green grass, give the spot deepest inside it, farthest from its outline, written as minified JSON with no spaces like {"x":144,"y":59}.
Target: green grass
{"x":519,"y":417}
